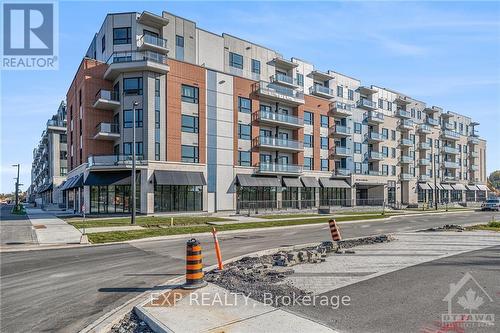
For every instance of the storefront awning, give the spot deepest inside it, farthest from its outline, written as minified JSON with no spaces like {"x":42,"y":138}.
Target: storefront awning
{"x":291,"y":182}
{"x":458,"y":187}
{"x":108,"y":178}
{"x":424,"y":186}
{"x":472,"y":187}
{"x":336,"y":183}
{"x":310,"y":181}
{"x":75,"y":181}
{"x":446,"y":187}
{"x":431,"y":185}
{"x":171,"y":177}
{"x":482,"y":187}
{"x":45,"y":188}
{"x":249,"y":180}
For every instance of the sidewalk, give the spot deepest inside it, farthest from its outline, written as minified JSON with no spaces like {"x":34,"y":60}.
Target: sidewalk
{"x":50,"y":229}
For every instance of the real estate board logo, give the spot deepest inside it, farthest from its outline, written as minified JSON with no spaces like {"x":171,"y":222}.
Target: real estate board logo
{"x":29,"y":35}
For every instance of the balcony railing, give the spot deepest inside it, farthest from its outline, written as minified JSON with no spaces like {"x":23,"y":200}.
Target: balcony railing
{"x":153,"y":40}
{"x":321,"y":90}
{"x":131,"y":56}
{"x":450,"y":150}
{"x":374,"y":173}
{"x":450,"y":165}
{"x":108,"y":160}
{"x":339,"y":130}
{"x":450,"y":134}
{"x":341,"y":109}
{"x":424,"y":161}
{"x":474,"y":154}
{"x":58,"y":123}
{"x":343,"y":172}
{"x":424,"y":178}
{"x":474,"y":167}
{"x":279,"y":92}
{"x":448,"y":126}
{"x":282,"y":78}
{"x":473,"y":140}
{"x":432,"y":121}
{"x":406,"y":159}
{"x":406,"y":142}
{"x":375,"y":117}
{"x":280,"y":117}
{"x":270,"y":141}
{"x":366,"y":104}
{"x":406,"y":124}
{"x":375,"y":136}
{"x":403,"y":113}
{"x":423,"y":128}
{"x":424,"y":145}
{"x":449,"y":178}
{"x":108,"y":128}
{"x":341,"y":150}
{"x":375,"y":155}
{"x":405,"y":176}
{"x":265,"y":167}
{"x":106,"y":100}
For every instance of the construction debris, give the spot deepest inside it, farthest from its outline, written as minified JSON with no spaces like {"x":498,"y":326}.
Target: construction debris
{"x":447,"y":227}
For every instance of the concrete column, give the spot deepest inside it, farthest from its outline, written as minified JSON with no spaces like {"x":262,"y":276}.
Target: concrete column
{"x":147,"y":191}
{"x":299,"y":197}
{"x":351,"y":196}
{"x":279,"y":198}
{"x":316,"y":196}
{"x":86,"y":198}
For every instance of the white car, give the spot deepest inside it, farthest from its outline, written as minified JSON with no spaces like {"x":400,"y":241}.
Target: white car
{"x":491,"y":204}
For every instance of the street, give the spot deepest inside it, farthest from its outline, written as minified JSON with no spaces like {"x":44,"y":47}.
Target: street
{"x":64,"y":290}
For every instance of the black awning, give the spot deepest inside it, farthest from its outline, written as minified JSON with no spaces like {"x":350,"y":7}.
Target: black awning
{"x":121,"y":177}
{"x":75,"y":181}
{"x":310,"y":181}
{"x":256,"y":181}
{"x":45,"y":188}
{"x":446,"y":187}
{"x":335,"y":183}
{"x":291,"y":182}
{"x":170,"y":177}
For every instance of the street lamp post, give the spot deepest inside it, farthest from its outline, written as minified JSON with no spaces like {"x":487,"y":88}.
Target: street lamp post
{"x":132,"y":220}
{"x":17,"y":184}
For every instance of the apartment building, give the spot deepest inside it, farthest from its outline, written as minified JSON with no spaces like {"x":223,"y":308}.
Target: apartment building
{"x":49,"y":167}
{"x":225,"y":124}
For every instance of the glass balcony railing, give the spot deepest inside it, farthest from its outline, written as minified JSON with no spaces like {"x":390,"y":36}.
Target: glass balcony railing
{"x":280,"y":117}
{"x":450,"y":134}
{"x":406,"y":123}
{"x":406,"y":159}
{"x":342,"y":172}
{"x":405,"y":176}
{"x":403,"y":113}
{"x":153,"y":40}
{"x":474,"y":167}
{"x":113,"y":160}
{"x":374,"y":116}
{"x":448,"y":126}
{"x":474,"y":154}
{"x":432,"y":121}
{"x":366,"y":103}
{"x":131,"y":56}
{"x":341,"y":108}
{"x":279,"y":143}
{"x":58,"y":123}
{"x":107,"y":128}
{"x":450,"y":165}
{"x":107,"y":95}
{"x":341,"y":150}
{"x":375,"y":155}
{"x":339,"y":129}
{"x":406,"y":142}
{"x":473,"y":140}
{"x":280,"y":92}
{"x":376,"y":136}
{"x":424,"y":161}
{"x":424,"y":178}
{"x":424,"y":145}
{"x":424,"y":128}
{"x":450,"y":150}
{"x":265,"y":167}
{"x":374,"y":173}
{"x":282,"y":78}
{"x":317,"y":89}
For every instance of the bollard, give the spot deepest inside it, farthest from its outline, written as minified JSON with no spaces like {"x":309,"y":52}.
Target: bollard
{"x":194,"y":266}
{"x":335,"y":232}
{"x":217,"y":249}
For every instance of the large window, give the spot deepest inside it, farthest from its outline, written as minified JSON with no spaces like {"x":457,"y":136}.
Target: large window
{"x":324,"y":165}
{"x":324,"y":142}
{"x":189,"y":124}
{"x":112,"y":199}
{"x":244,"y":132}
{"x":244,"y":158}
{"x":308,"y":118}
{"x":324,"y":121}
{"x":308,"y":141}
{"x":255,"y":66}
{"x":308,"y":163}
{"x":189,"y":94}
{"x":122,"y":36}
{"x":132,"y":86}
{"x":127,"y":148}
{"x":189,"y":154}
{"x":128,"y":115}
{"x":244,"y":105}
{"x":63,"y":138}
{"x":235,"y":60}
{"x":300,"y":79}
{"x":179,"y":47}
{"x":357,"y":128}
{"x":340,"y":91}
{"x":350,"y":94}
{"x":103,"y":43}
{"x":178,"y":198}
{"x":357,"y":147}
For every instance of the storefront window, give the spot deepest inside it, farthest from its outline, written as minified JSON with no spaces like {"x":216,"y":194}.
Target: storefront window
{"x":256,"y":197}
{"x":332,"y":197}
{"x":112,"y":199}
{"x":178,"y":198}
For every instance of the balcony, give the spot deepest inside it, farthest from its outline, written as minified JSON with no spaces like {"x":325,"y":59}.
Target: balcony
{"x":473,"y":140}
{"x":406,"y":124}
{"x":278,"y":144}
{"x":424,"y":178}
{"x":275,"y":118}
{"x":448,"y":126}
{"x":450,"y":165}
{"x":375,"y":117}
{"x":366,"y":104}
{"x":474,"y":167}
{"x":276,"y":168}
{"x":341,"y":151}
{"x":279,"y":93}
{"x":135,"y":61}
{"x":474,"y":154}
{"x":343,"y":172}
{"x":56,"y":123}
{"x":424,"y":129}
{"x":450,"y":150}
{"x":339,"y":131}
{"x":106,"y":100}
{"x":451,"y":135}
{"x":149,"y":42}
{"x":339,"y":109}
{"x":449,"y":178}
{"x":374,"y":173}
{"x":284,"y":80}
{"x":375,"y":155}
{"x":375,"y":136}
{"x":406,"y":142}
{"x":111,"y":160}
{"x":107,"y":131}
{"x":424,"y":146}
{"x":405,"y":176}
{"x":321,"y":91}
{"x":432,"y":121}
{"x":406,"y":159}
{"x":424,"y":161}
{"x":403,"y":114}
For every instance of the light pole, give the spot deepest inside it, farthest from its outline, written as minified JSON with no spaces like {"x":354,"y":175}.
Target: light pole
{"x":17,"y":184}
{"x":132,"y":220}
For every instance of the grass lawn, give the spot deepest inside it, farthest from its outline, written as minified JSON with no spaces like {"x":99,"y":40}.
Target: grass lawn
{"x":144,"y":221}
{"x":117,"y":236}
{"x":493,"y":225}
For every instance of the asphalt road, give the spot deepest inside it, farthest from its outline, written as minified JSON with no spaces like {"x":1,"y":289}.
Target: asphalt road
{"x":64,"y":290}
{"x":15,"y":229}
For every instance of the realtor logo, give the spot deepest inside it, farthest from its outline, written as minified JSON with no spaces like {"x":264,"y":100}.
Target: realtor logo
{"x":29,"y":35}
{"x":467,"y":295}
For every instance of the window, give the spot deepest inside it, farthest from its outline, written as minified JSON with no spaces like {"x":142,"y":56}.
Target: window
{"x":189,"y":154}
{"x":419,"y":114}
{"x":393,"y":167}
{"x":380,"y":103}
{"x":324,"y":142}
{"x":179,"y":47}
{"x":139,"y":149}
{"x":63,"y":138}
{"x":189,"y":94}
{"x":235,"y":60}
{"x":103,"y":43}
{"x":324,"y":165}
{"x":412,"y":112}
{"x":244,"y":105}
{"x":389,"y":106}
{"x":265,"y":158}
{"x":300,"y":79}
{"x":385,"y":151}
{"x":350,"y":94}
{"x":189,"y":124}
{"x":385,"y":133}
{"x":255,"y":66}
{"x":308,"y":141}
{"x":393,"y":152}
{"x":357,"y":128}
{"x":127,"y":118}
{"x":244,"y":132}
{"x":132,"y":86}
{"x":308,"y":118}
{"x":63,"y":171}
{"x":63,"y":155}
{"x":357,"y":167}
{"x":308,"y":163}
{"x":340,"y":91}
{"x":385,"y":169}
{"x":122,"y":36}
{"x":393,"y":135}
{"x":357,"y":147}
{"x":324,"y":121}
{"x":244,"y":158}
{"x":127,"y":148}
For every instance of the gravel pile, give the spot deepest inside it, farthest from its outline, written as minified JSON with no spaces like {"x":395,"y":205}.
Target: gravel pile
{"x":131,"y":324}
{"x":447,"y":227}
